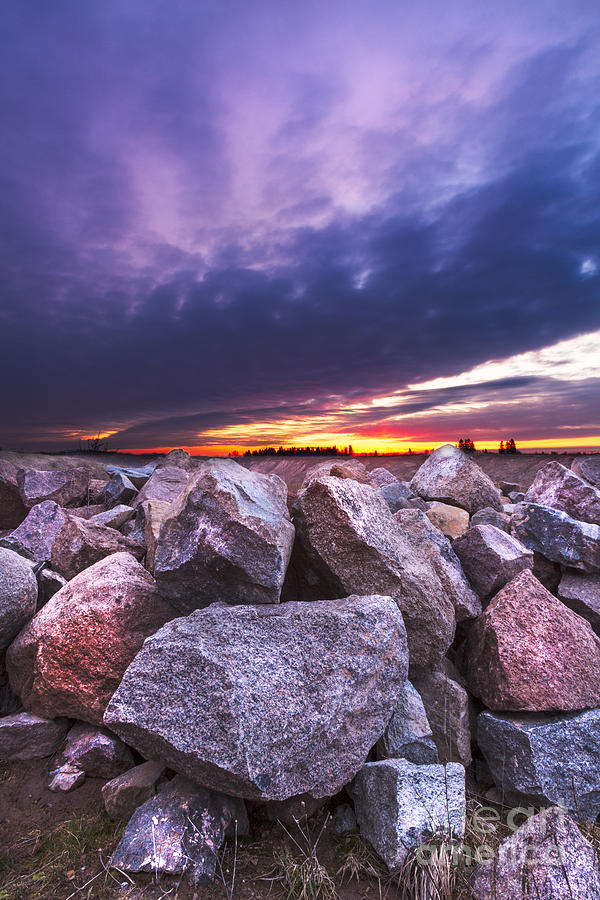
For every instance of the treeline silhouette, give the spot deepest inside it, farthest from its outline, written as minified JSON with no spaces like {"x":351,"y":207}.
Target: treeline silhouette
{"x":300,"y":451}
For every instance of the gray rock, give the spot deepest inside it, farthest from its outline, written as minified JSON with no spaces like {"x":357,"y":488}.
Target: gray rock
{"x":166,"y":484}
{"x":115,"y":517}
{"x":49,"y":584}
{"x":557,"y":536}
{"x":448,"y":711}
{"x":65,"y":779}
{"x":489,"y":516}
{"x":428,"y":541}
{"x":67,"y":487}
{"x":18,"y":595}
{"x":379,"y":477}
{"x":408,"y":734}
{"x":509,"y":487}
{"x":24,"y":736}
{"x":344,"y":819}
{"x":547,"y":857}
{"x":266,"y":702}
{"x":349,"y":542}
{"x":123,"y":794}
{"x":453,"y":477}
{"x":491,"y":558}
{"x":119,"y":491}
{"x":228,"y":537}
{"x":563,"y":489}
{"x":138,"y":475}
{"x":396,"y":494}
{"x":12,"y":508}
{"x":515,"y":497}
{"x":545,"y":759}
{"x":95,"y":751}
{"x":36,"y":534}
{"x":581,"y":593}
{"x":399,"y":805}
{"x":179,"y":830}
{"x":177,"y":458}
{"x":588,"y":467}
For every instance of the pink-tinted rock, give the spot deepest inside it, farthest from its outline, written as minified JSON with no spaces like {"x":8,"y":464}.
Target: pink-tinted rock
{"x":67,"y":487}
{"x":12,"y":508}
{"x":491,"y":558}
{"x":95,"y":751}
{"x":70,"y":658}
{"x":563,"y":489}
{"x":166,"y":484}
{"x":80,"y":544}
{"x":36,"y":534}
{"x":528,"y":651}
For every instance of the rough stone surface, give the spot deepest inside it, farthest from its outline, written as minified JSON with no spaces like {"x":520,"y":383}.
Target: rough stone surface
{"x":95,"y":751}
{"x":561,"y":488}
{"x":177,"y":458}
{"x":349,"y":542}
{"x":450,"y":520}
{"x":528,"y":651}
{"x":23,"y":736}
{"x":379,"y":477}
{"x":588,"y":467}
{"x":344,"y":819}
{"x":266,"y":702}
{"x":67,"y":487}
{"x":138,"y":475}
{"x":18,"y":595}
{"x":71,"y":656}
{"x":79,"y":544}
{"x":228,"y":537}
{"x":65,"y":779}
{"x":36,"y":534}
{"x":12,"y":508}
{"x":408,"y":734}
{"x":446,"y":703}
{"x":428,"y":541}
{"x":545,"y":759}
{"x":491,"y":558}
{"x":557,"y":536}
{"x":509,"y":487}
{"x":179,"y":830}
{"x":125,"y":793}
{"x":166,"y":484}
{"x":87,"y":512}
{"x":489,"y":516}
{"x":396,"y":494}
{"x":399,"y":805}
{"x":115,"y":517}
{"x":547,"y":857}
{"x":546,"y":571}
{"x":119,"y":491}
{"x":155,"y":512}
{"x":453,"y":477}
{"x":581,"y":593}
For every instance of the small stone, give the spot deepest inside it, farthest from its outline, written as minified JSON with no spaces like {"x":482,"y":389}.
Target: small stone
{"x":344,"y":819}
{"x":65,"y":779}
{"x":125,"y":793}
{"x":489,"y":516}
{"x":451,"y":520}
{"x":115,"y":517}
{"x":408,"y":734}
{"x":95,"y":751}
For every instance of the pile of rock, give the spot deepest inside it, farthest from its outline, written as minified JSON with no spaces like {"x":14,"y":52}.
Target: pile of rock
{"x":205,"y":652}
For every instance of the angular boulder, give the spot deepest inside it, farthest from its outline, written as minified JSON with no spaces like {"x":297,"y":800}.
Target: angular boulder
{"x":36,"y":534}
{"x":588,"y":467}
{"x":12,"y":508}
{"x":448,"y":711}
{"x":228,"y":537}
{"x":547,"y":857}
{"x":123,"y":794}
{"x":453,"y":477}
{"x":115,"y":517}
{"x":266,"y":702}
{"x":67,"y":487}
{"x":154,"y":514}
{"x":97,"y":752}
{"x":24,"y":736}
{"x":491,"y":558}
{"x":349,"y":542}
{"x":18,"y":595}
{"x":557,"y":536}
{"x":529,"y":652}
{"x":544,"y":759}
{"x":399,"y":805}
{"x":70,"y":658}
{"x":561,"y":488}
{"x":489,"y":516}
{"x":179,"y":830}
{"x":408,"y":734}
{"x":452,"y":521}
{"x":65,"y":779}
{"x":581,"y":593}
{"x":79,"y":544}
{"x":138,"y":475}
{"x":119,"y":491}
{"x":165,"y":484}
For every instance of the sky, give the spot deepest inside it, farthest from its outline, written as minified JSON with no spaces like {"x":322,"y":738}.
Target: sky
{"x":226,"y":224}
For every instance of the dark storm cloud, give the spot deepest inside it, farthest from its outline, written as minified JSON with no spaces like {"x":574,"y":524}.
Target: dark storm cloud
{"x":156,"y":281}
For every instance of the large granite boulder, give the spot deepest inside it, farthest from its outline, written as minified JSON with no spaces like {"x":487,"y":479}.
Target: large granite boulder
{"x":12,"y":508}
{"x":180,"y":830}
{"x":18,"y":595}
{"x":36,"y":534}
{"x":408,"y":734}
{"x":453,"y":477}
{"x":428,"y":541}
{"x":70,"y":658}
{"x":228,"y":537}
{"x":491,"y":558}
{"x":588,"y":467}
{"x":450,"y":520}
{"x":24,"y":736}
{"x":528,"y":651}
{"x":547,"y":858}
{"x":165,"y":484}
{"x":581,"y":593}
{"x":399,"y":805}
{"x":266,"y":702}
{"x":448,"y":711}
{"x":561,"y":488}
{"x":544,"y":760}
{"x":349,"y":542}
{"x":557,"y":536}
{"x":67,"y":487}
